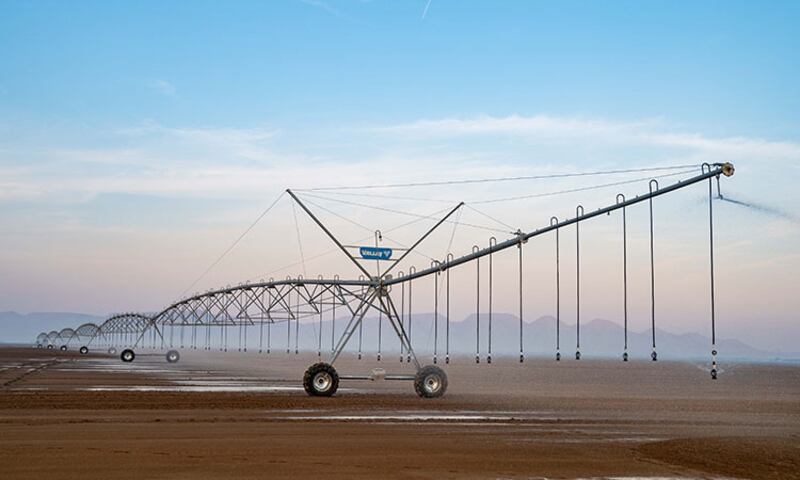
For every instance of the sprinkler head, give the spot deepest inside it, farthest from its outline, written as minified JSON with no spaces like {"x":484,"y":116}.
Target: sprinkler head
{"x":727,"y":169}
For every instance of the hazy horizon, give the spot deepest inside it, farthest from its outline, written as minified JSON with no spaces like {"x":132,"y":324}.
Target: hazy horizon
{"x":58,"y":320}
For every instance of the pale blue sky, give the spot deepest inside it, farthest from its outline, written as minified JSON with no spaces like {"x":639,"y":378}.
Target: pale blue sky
{"x":137,"y":139}
{"x":728,"y":67}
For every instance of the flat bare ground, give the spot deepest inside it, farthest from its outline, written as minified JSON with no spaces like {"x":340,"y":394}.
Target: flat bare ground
{"x":237,"y":415}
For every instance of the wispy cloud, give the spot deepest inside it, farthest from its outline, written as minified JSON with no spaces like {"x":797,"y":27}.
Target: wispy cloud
{"x":640,"y":133}
{"x":510,"y":125}
{"x":215,"y":135}
{"x":161,"y":86}
{"x":229,"y":162}
{"x":425,"y":11}
{"x":249,"y":143}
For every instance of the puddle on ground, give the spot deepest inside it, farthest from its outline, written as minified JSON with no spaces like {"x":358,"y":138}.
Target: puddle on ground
{"x":195,"y":388}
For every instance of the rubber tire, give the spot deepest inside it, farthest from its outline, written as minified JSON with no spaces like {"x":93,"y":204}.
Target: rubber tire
{"x":112,"y":351}
{"x":84,"y":350}
{"x":63,"y":348}
{"x":173,"y":356}
{"x":127,"y":355}
{"x":40,"y":346}
{"x":423,"y":374}
{"x":311,"y":373}
{"x":50,"y":347}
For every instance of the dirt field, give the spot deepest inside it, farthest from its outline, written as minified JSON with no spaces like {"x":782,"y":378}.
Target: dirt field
{"x":236,"y":415}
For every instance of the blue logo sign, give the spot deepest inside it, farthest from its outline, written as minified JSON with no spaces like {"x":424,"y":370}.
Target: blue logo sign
{"x":375,"y":253}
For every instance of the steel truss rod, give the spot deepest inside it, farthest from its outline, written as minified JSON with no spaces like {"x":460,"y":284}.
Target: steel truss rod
{"x":397,"y":324}
{"x":412,"y":247}
{"x":328,"y":232}
{"x":355,"y":320}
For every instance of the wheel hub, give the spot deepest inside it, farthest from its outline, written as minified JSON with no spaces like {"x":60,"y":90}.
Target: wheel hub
{"x":322,"y":381}
{"x":432,"y":383}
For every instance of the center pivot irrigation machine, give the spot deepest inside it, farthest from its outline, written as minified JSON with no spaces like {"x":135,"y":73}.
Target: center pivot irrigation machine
{"x":268,"y":302}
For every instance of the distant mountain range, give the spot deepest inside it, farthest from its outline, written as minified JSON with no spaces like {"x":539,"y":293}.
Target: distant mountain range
{"x":599,"y":338}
